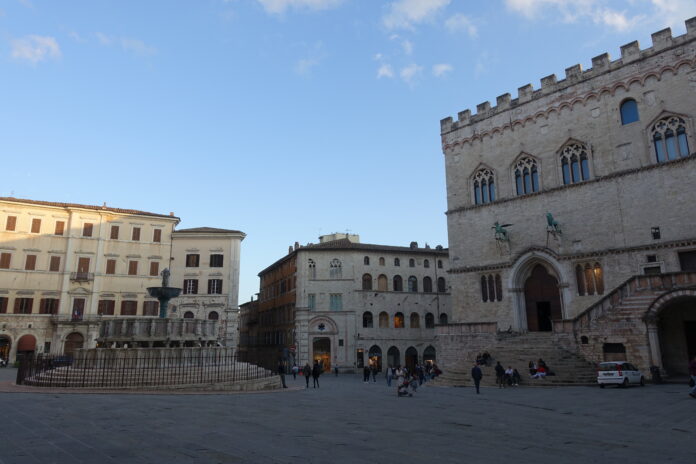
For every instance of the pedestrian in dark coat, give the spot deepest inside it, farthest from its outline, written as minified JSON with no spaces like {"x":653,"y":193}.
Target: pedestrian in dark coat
{"x":499,"y":375}
{"x":307,"y":372}
{"x":316,"y":372}
{"x":476,"y":375}
{"x":281,"y":373}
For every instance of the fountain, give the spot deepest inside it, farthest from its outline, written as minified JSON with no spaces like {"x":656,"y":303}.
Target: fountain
{"x":164,"y":293}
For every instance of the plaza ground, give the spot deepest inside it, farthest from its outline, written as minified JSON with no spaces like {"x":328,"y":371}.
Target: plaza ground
{"x":348,"y":421}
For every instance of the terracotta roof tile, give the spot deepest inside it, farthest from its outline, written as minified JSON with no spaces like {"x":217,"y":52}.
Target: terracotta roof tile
{"x":92,"y":207}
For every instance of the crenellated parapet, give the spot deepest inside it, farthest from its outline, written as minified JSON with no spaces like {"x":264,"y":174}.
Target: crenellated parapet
{"x":601,"y":64}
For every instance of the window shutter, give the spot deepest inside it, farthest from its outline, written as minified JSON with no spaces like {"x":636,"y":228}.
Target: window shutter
{"x":154,"y":268}
{"x":31,"y":263}
{"x":60,"y":228}
{"x":11,"y":223}
{"x":136,"y":234}
{"x":5,"y":260}
{"x":17,"y":305}
{"x":35,"y":226}
{"x":114,"y":232}
{"x":87,"y":229}
{"x":55,"y":264}
{"x":157,"y":235}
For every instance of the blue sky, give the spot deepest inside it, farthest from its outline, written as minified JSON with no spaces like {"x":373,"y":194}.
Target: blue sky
{"x":286,"y":119}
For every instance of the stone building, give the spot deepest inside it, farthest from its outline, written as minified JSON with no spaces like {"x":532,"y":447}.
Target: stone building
{"x":570,"y":209}
{"x":66,"y":267}
{"x":347,"y":303}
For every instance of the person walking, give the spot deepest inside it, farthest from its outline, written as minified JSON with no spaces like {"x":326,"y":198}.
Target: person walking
{"x":389,"y":375}
{"x":692,"y":373}
{"x":316,"y":372}
{"x":374,"y":373}
{"x":281,"y":373}
{"x":476,"y":375}
{"x":307,"y":372}
{"x":366,"y":374}
{"x":295,"y":370}
{"x":499,"y":375}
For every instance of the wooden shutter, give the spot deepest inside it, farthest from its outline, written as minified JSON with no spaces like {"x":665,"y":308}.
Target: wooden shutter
{"x":87,"y":229}
{"x":60,"y":228}
{"x":83,"y":265}
{"x":157,"y":235}
{"x":154,"y":268}
{"x":111,"y":266}
{"x":114,"y":232}
{"x":11,"y":223}
{"x":5,"y":260}
{"x":132,"y":268}
{"x":17,"y":304}
{"x":30,"y":265}
{"x":35,"y":226}
{"x":3,"y":304}
{"x":136,"y":234}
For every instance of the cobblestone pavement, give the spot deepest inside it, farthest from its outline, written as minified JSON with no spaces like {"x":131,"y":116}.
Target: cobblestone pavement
{"x":349,"y":421}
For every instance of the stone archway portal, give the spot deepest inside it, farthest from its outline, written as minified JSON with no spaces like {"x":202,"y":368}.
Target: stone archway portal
{"x":542,"y":300}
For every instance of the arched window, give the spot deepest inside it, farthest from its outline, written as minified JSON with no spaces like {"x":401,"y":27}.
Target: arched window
{"x":427,"y":284}
{"x":589,"y":279}
{"x":411,"y":262}
{"x":426,"y":263}
{"x":381,"y":261}
{"x":484,"y":289}
{"x":443,"y":318}
{"x":484,"y":186}
{"x":429,"y":321}
{"x":575,"y":163}
{"x":399,"y":320}
{"x":412,"y":284}
{"x":398,"y":284}
{"x":629,"y":111}
{"x":441,"y":285}
{"x":580,"y":280}
{"x":415,"y":321}
{"x":366,"y":260}
{"x":491,"y":288}
{"x":526,"y":176}
{"x":188,"y":315}
{"x":669,"y":138}
{"x":367,"y":282}
{"x":599,"y":279}
{"x":335,"y":271}
{"x":383,"y":320}
{"x":397,"y":262}
{"x":367,"y":320}
{"x":498,"y":288}
{"x":439,"y":264}
{"x":312,"y":269}
{"x":382,"y":283}
{"x":213,"y":316}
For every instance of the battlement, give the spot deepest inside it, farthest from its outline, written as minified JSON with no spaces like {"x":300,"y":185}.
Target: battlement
{"x":601,"y":64}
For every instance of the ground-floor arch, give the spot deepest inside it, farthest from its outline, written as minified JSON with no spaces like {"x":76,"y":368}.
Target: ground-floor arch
{"x":393,"y":357}
{"x":321,"y":352}
{"x":676,"y":327}
{"x":73,"y":342}
{"x":411,"y":358}
{"x":429,"y":355}
{"x":26,"y":346}
{"x":5,"y":346}
{"x":374,"y":357}
{"x":542,"y":300}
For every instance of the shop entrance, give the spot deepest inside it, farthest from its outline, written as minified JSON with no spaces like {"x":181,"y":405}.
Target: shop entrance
{"x":5,"y":345}
{"x":411,"y":359}
{"x":375,"y":357}
{"x":542,"y":300}
{"x":321,"y":349}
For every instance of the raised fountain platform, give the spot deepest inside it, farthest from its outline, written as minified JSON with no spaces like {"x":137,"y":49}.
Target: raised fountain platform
{"x":147,"y":332}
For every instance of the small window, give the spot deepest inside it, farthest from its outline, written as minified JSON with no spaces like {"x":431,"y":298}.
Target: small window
{"x":382,"y":283}
{"x":526,"y":176}
{"x":216,"y":260}
{"x":60,"y":228}
{"x":412,"y":284}
{"x":30,"y":264}
{"x":157,"y":235}
{"x":367,"y":282}
{"x":669,"y":139}
{"x":398,"y":284}
{"x":335,"y":271}
{"x":629,"y":111}
{"x":213,"y":316}
{"x":54,"y":265}
{"x":484,"y":186}
{"x":111,"y":266}
{"x":443,"y":318}
{"x":411,"y":262}
{"x":106,"y":307}
{"x":383,"y":320}
{"x":87,"y":229}
{"x":381,"y":261}
{"x":415,"y":321}
{"x":584,"y":340}
{"x":132,"y":268}
{"x":192,"y":260}
{"x":397,"y":262}
{"x":399,"y":321}
{"x":426,"y":263}
{"x":429,"y":321}
{"x":11,"y":223}
{"x":484,"y":289}
{"x":36,"y":226}
{"x":575,"y":165}
{"x":188,"y":315}
{"x":441,"y":285}
{"x":366,"y":260}
{"x":439,"y":264}
{"x":151,"y":308}
{"x":312,"y":269}
{"x":214,"y":286}
{"x":114,"y":232}
{"x":190,"y":286}
{"x":48,"y":306}
{"x":154,"y":268}
{"x":311,"y":301}
{"x":136,"y":234}
{"x":336,"y":302}
{"x":367,"y":320}
{"x":129,"y":308}
{"x":5,"y":259}
{"x":427,"y":284}
{"x":23,"y":305}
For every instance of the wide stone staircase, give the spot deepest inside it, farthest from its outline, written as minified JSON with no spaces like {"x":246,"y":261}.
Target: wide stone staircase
{"x":517,"y":350}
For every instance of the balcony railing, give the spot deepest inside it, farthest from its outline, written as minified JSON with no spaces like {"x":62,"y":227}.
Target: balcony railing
{"x":82,"y":276}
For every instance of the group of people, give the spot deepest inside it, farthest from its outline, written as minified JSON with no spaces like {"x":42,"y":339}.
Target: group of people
{"x":539,"y":369}
{"x":308,"y":371}
{"x":506,"y":377}
{"x":422,"y":373}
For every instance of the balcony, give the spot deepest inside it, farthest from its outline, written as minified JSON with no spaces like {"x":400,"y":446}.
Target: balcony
{"x":82,"y":276}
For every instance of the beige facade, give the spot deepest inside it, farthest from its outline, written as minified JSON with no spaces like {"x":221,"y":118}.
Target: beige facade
{"x":608,"y":152}
{"x":66,"y":267}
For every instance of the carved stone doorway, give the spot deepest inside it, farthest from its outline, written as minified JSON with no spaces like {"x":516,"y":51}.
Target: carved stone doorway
{"x":542,"y":300}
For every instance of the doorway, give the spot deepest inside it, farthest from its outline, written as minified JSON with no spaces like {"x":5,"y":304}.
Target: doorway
{"x":5,"y":345}
{"x":73,"y":342}
{"x":677,"y":332}
{"x":411,"y":359}
{"x":542,"y":300}
{"x":321,"y":349}
{"x":374,"y":357}
{"x":393,"y":357}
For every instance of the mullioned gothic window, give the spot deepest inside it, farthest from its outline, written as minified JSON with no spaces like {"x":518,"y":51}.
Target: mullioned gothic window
{"x":526,"y":176}
{"x":312,"y":269}
{"x":575,"y":163}
{"x":590,"y":279}
{"x":335,"y":271}
{"x":484,"y":186}
{"x":669,"y":139}
{"x":491,"y":288}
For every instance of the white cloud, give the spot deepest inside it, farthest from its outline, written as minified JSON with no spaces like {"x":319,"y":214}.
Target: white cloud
{"x":137,"y":47}
{"x":439,"y":70}
{"x":385,"y":70}
{"x":304,"y":66}
{"x":104,"y":39}
{"x":410,"y":73}
{"x":460,"y":22}
{"x":35,"y":48}
{"x":280,"y":6}
{"x":404,"y":14}
{"x":407,"y":45}
{"x":75,"y":36}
